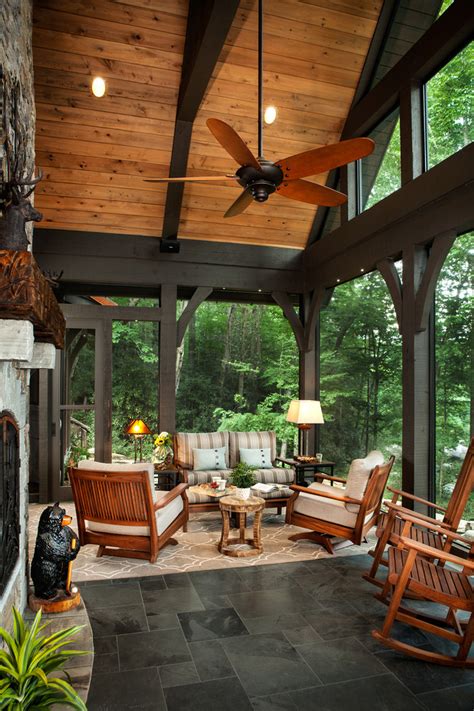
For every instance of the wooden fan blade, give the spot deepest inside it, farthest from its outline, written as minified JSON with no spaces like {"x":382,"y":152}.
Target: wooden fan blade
{"x":320,"y":160}
{"x":304,"y":191}
{"x":231,"y":141}
{"x":201,"y":179}
{"x":241,"y":204}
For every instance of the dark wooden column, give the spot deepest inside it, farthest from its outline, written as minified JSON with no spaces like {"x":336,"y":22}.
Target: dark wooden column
{"x":308,"y":385}
{"x":167,"y":366}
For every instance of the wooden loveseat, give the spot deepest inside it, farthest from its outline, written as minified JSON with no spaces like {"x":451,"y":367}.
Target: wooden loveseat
{"x":185,"y":443}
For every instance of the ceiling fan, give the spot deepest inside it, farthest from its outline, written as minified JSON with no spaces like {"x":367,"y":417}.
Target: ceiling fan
{"x":260,"y":177}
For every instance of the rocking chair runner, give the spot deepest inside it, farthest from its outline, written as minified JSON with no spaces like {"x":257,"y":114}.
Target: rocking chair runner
{"x":391,"y":524}
{"x":411,"y":570}
{"x":345,"y":517}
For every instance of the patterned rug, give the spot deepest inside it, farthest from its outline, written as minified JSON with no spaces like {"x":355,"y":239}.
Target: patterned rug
{"x":197,"y":549}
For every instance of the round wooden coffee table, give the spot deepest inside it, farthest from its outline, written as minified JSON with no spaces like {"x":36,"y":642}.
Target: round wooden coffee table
{"x":241,"y":507}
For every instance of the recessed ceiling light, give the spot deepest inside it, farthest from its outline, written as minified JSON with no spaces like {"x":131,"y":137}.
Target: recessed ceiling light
{"x":98,"y":87}
{"x":270,"y":114}
{"x":338,"y":280}
{"x":361,"y":270}
{"x":259,"y":291}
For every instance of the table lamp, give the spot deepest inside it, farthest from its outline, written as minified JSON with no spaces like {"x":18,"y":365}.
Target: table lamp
{"x":137,"y":429}
{"x":305,"y":413}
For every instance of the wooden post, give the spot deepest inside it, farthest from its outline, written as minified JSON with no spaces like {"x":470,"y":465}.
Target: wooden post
{"x":307,"y":372}
{"x":167,"y":365}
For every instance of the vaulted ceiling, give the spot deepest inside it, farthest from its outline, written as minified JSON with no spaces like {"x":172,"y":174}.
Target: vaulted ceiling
{"x":95,"y":153}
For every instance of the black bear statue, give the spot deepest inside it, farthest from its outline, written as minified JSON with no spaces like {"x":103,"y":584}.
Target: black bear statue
{"x":56,"y":545}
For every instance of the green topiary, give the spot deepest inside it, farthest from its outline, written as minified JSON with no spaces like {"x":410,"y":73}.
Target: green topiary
{"x":26,"y":665}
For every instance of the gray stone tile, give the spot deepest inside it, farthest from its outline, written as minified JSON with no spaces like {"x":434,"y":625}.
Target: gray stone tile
{"x":458,"y":698}
{"x":211,"y":624}
{"x":121,"y":691}
{"x":333,"y":624}
{"x":321,"y":585}
{"x":267,"y":578}
{"x":259,"y":604}
{"x":214,"y":695}
{"x":105,"y":663}
{"x":178,"y":674}
{"x":105,"y":645}
{"x":276,"y":702}
{"x":162,"y":620}
{"x":421,"y":676}
{"x":301,"y":635}
{"x":101,"y":596}
{"x":177,"y":580}
{"x":267,"y":664}
{"x":223,"y":581}
{"x":380,"y":693}
{"x":340,"y":660}
{"x":214,"y":601}
{"x":118,"y":620}
{"x":274,"y":623}
{"x":152,"y":649}
{"x":175,"y":600}
{"x":210,"y":660}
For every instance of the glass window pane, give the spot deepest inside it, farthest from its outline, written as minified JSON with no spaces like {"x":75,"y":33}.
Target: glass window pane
{"x":381,"y":172}
{"x":454,"y":309}
{"x":77,"y":439}
{"x":361,"y":390}
{"x":450,"y":107}
{"x":78,"y":375}
{"x":237,"y":370}
{"x":134,"y":384}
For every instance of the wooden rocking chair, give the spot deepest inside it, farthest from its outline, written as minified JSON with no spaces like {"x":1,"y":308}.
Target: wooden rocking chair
{"x":391,"y":524}
{"x":412,"y":571}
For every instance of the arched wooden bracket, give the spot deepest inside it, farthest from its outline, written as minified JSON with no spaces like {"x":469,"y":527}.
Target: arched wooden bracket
{"x":391,"y":276}
{"x":424,"y":295}
{"x":200,"y":295}
{"x":283,"y":300}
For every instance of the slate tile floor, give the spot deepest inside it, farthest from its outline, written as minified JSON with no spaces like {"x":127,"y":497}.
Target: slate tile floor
{"x":268,"y":638}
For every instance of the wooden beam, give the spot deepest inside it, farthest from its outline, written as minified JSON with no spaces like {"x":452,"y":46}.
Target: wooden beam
{"x":200,"y":295}
{"x":391,"y":277}
{"x":167,"y":365}
{"x":424,"y":297}
{"x":412,"y":139}
{"x":208,"y":24}
{"x":318,"y":299}
{"x":283,"y":300}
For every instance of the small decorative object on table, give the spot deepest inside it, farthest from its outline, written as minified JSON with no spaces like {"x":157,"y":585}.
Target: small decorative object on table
{"x":163,"y":450}
{"x":56,"y":547}
{"x":243,"y":478}
{"x":241,"y":547}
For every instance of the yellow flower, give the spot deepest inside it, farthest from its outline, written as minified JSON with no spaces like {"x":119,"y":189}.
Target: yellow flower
{"x":159,"y":441}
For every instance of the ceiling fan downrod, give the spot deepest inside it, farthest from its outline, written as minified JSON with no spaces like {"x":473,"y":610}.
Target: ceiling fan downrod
{"x":260,"y":79}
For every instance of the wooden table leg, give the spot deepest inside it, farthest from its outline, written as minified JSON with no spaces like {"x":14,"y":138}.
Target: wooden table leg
{"x":242,"y":522}
{"x":257,"y":530}
{"x":225,"y":530}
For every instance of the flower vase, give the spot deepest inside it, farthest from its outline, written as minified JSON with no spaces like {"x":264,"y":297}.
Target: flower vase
{"x":162,"y":456}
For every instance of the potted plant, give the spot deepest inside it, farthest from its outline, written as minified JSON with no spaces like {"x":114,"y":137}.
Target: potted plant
{"x":163,"y":449}
{"x":243,"y":478}
{"x":26,"y":665}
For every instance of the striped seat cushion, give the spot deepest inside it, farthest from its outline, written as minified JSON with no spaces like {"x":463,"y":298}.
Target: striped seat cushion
{"x":203,"y":477}
{"x":283,"y":493}
{"x":195,"y":498}
{"x":185,"y":442}
{"x":250,"y":440}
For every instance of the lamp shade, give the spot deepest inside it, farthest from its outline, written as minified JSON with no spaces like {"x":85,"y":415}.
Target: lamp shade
{"x":305,"y":412}
{"x":137,"y":427}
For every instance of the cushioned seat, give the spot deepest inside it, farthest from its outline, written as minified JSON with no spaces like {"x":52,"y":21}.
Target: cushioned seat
{"x":164,"y":518}
{"x":326,"y":509}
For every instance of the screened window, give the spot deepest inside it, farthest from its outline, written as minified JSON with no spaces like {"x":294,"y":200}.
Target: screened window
{"x":380,"y":173}
{"x":237,"y":370}
{"x":361,"y":391}
{"x":450,"y":107}
{"x":454,"y":347}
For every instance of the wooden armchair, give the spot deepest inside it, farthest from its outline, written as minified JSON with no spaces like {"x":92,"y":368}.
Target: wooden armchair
{"x":391,"y":524}
{"x":412,"y":571}
{"x":329,"y":512}
{"x":119,"y":510}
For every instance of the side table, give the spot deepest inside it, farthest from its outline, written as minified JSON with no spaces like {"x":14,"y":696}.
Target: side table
{"x":301,"y":467}
{"x":166,"y":478}
{"x":241,"y":507}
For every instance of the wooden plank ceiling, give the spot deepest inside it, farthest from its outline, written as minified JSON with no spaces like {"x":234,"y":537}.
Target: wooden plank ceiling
{"x":95,"y":152}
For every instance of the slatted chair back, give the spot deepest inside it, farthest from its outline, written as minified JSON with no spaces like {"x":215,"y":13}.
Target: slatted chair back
{"x":122,"y":499}
{"x":372,"y":500}
{"x":462,"y":490}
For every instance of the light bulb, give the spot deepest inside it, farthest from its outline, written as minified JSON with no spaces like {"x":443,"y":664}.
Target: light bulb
{"x":270,"y":114}
{"x":98,"y":87}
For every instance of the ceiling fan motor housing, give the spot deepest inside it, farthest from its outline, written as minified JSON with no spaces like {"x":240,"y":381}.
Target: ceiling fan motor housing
{"x":263,"y":182}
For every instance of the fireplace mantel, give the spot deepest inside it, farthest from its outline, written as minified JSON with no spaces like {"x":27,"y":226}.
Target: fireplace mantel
{"x":25,"y":295}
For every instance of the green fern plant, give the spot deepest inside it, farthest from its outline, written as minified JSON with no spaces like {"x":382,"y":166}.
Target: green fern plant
{"x":27,"y":663}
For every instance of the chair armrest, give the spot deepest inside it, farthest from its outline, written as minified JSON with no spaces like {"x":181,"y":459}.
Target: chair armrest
{"x":322,"y":475}
{"x":409,"y":516}
{"x":401,"y":511}
{"x":324,"y":494}
{"x":412,"y":497}
{"x":435,"y":553}
{"x":283,"y":461}
{"x":170,"y":495}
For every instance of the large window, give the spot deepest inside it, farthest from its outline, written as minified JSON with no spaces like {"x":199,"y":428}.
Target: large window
{"x":380,"y":173}
{"x":450,"y":107}
{"x":454,"y":308}
{"x":361,"y":391}
{"x":237,"y":370}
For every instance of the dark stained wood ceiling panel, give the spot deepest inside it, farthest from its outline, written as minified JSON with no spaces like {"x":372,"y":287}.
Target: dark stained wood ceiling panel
{"x":95,"y":152}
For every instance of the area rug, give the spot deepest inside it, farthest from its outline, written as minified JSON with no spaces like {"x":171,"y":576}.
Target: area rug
{"x":197,"y":549}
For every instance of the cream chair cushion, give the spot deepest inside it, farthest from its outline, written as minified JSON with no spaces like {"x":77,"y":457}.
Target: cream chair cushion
{"x":122,"y":468}
{"x":326,"y":509}
{"x":358,"y":476}
{"x":164,"y":517}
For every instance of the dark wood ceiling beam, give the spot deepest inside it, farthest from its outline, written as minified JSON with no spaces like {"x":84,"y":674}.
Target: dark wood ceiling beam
{"x":208,"y":24}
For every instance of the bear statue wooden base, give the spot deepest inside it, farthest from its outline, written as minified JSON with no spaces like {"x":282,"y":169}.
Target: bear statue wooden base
{"x":60,"y":603}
